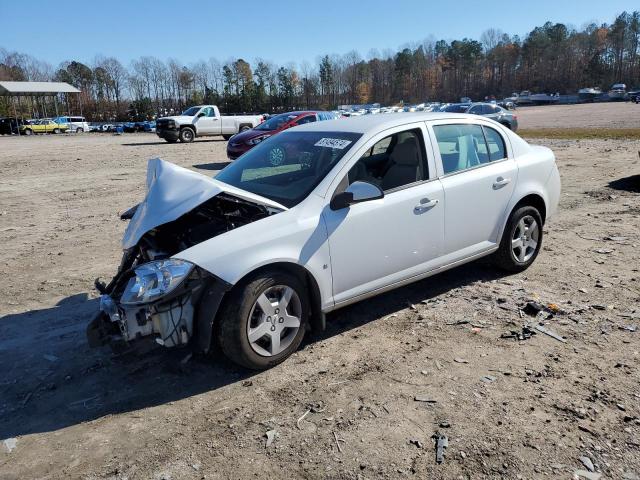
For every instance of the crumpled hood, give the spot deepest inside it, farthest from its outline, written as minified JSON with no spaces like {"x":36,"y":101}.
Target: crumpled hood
{"x":173,"y":191}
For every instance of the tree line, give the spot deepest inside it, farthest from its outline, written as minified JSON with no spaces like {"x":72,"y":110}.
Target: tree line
{"x":551,"y":58}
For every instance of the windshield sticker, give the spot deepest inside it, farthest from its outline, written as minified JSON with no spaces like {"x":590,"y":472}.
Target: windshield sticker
{"x":333,"y":143}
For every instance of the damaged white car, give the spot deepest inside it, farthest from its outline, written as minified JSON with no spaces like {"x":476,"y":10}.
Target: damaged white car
{"x":315,"y":218}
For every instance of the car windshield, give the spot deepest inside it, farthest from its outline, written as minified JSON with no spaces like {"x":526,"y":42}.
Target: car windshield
{"x":274,"y":123}
{"x":191,"y":112}
{"x":287,"y":167}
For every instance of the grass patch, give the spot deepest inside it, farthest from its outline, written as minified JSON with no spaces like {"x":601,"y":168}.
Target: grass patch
{"x":581,"y":133}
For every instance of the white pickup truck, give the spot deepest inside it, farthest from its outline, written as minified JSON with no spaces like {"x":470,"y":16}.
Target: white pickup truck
{"x":203,"y":121}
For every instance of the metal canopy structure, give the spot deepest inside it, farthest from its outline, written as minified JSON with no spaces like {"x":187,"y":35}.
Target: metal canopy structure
{"x":39,"y":90}
{"x":35,"y":88}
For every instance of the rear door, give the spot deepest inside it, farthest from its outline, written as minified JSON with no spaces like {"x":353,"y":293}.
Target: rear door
{"x":478,"y":175}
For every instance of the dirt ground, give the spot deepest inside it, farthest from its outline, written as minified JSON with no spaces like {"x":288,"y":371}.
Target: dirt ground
{"x":363,"y":399}
{"x":589,"y":115}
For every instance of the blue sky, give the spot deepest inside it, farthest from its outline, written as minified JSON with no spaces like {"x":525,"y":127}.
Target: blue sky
{"x":279,"y":31}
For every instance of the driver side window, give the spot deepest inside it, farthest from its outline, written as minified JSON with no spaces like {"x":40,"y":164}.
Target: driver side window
{"x":393,"y":162}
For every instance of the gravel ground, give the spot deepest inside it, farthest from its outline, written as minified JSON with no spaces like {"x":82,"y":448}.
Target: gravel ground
{"x":351,"y":403}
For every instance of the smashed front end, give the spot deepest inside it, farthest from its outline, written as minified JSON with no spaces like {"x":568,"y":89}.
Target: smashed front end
{"x":157,"y":299}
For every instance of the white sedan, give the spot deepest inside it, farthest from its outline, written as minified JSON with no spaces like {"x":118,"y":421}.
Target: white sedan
{"x":315,"y":218}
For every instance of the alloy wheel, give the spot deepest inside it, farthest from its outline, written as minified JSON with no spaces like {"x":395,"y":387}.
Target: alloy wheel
{"x":524,"y":242}
{"x":274,"y":320}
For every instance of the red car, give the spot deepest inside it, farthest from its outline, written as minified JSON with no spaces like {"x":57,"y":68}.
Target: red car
{"x":244,"y":141}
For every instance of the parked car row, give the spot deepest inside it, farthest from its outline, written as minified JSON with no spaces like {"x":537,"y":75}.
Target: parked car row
{"x":247,"y":139}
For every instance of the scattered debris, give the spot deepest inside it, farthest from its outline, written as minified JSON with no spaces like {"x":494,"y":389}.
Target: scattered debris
{"x":533,"y":308}
{"x":425,"y":399}
{"x":599,"y":307}
{"x":444,"y":424}
{"x":415,"y":442}
{"x":442,"y":442}
{"x":271,"y":436}
{"x":460,"y":360}
{"x":584,"y":428}
{"x":302,"y":418}
{"x":488,"y":379}
{"x":551,"y":333}
{"x":603,"y":251}
{"x":621,"y":407}
{"x":629,"y":328}
{"x":338,"y":440}
{"x":587,"y":475}
{"x":586,"y":461}
{"x":10,"y":444}
{"x":525,"y":334}
{"x":247,"y":383}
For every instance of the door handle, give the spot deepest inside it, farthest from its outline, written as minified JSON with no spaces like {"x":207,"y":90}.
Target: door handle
{"x":426,"y":204}
{"x":501,"y":182}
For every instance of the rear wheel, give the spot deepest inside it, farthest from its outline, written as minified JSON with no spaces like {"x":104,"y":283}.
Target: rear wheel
{"x":244,"y":128}
{"x":521,"y":240}
{"x":187,"y":135}
{"x":56,"y":130}
{"x":263,"y":320}
{"x":80,"y":130}
{"x":28,"y":131}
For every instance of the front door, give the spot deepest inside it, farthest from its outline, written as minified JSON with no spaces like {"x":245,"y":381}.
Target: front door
{"x":380,"y":242}
{"x":479,"y":176}
{"x":208,"y":123}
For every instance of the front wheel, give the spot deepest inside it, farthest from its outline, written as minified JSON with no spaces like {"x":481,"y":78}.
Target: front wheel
{"x":187,"y":135}
{"x":28,"y":131}
{"x":80,"y":130}
{"x":263,"y":320}
{"x":56,"y":130}
{"x":521,"y":240}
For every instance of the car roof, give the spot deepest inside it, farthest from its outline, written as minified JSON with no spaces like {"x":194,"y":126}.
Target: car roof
{"x":376,"y":123}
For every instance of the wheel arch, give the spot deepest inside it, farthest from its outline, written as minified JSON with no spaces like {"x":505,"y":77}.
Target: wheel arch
{"x":533,"y":200}
{"x":317,"y":319}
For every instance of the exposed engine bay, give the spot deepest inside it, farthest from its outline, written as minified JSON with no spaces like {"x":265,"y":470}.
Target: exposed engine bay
{"x":170,"y":319}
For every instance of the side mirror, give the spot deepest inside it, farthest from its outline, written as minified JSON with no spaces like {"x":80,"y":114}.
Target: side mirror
{"x":201,"y":114}
{"x":357,"y":192}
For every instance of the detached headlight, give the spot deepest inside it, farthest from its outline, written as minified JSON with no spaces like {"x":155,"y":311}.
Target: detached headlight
{"x":257,"y":140}
{"x":154,"y":280}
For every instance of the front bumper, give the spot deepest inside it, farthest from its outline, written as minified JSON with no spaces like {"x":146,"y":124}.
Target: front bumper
{"x":234,"y":150}
{"x":168,"y":134}
{"x":173,"y":321}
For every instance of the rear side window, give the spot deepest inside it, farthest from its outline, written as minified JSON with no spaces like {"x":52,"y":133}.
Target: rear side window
{"x":495,"y":143}
{"x":307,"y":119}
{"x":461,"y":147}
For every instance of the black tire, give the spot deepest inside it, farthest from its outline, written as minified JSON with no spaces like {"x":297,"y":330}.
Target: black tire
{"x":244,"y":128}
{"x":28,"y":131}
{"x":504,"y":257}
{"x":170,"y":140}
{"x":56,"y":130}
{"x":227,"y":137}
{"x":232,"y":320}
{"x":80,"y":130}
{"x":187,"y":135}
